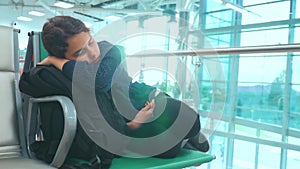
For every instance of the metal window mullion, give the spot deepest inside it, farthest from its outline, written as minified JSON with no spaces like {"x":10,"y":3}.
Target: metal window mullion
{"x":200,"y":45}
{"x":234,"y":67}
{"x":286,"y":110}
{"x":287,"y":89}
{"x":232,"y":100}
{"x":219,"y":30}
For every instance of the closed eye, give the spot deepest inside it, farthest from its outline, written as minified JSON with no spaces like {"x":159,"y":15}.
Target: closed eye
{"x":91,"y":41}
{"x":83,"y":50}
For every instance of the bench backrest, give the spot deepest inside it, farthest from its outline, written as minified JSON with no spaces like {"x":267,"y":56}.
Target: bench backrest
{"x":9,"y":68}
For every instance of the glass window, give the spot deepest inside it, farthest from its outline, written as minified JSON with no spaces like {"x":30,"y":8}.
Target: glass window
{"x":294,"y":140}
{"x":214,"y":6}
{"x":241,"y":158}
{"x":294,"y":114}
{"x":297,"y":33}
{"x":252,"y":2}
{"x":297,"y":9}
{"x":295,"y":98}
{"x":220,"y":40}
{"x":296,"y":71}
{"x":261,"y":88}
{"x":244,"y":130}
{"x":262,"y":68}
{"x":212,"y":76}
{"x":268,"y":157}
{"x":219,"y":125}
{"x":294,"y":117}
{"x":264,"y":37}
{"x":253,"y":106}
{"x":214,"y":69}
{"x":219,"y":150}
{"x":295,"y":94}
{"x":219,"y":19}
{"x":293,"y":158}
{"x":261,"y":81}
{"x":269,"y":135}
{"x":266,"y":13}
{"x":206,"y":95}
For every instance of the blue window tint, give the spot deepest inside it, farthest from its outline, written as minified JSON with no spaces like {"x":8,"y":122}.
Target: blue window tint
{"x":242,"y":159}
{"x":293,"y":157}
{"x":297,"y":9}
{"x":266,"y":13}
{"x":219,"y":19}
{"x":264,"y":37}
{"x":219,"y":40}
{"x":297,"y":34}
{"x":269,"y":157}
{"x":262,"y":68}
{"x":253,"y":2}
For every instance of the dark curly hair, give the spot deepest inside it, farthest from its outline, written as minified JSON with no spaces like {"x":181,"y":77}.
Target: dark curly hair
{"x":57,"y":31}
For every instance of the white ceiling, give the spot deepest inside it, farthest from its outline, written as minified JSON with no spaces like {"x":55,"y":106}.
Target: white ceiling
{"x":89,"y":12}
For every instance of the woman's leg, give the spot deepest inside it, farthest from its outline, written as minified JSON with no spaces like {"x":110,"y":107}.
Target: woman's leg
{"x":148,"y":130}
{"x":198,"y":142}
{"x":168,"y":109}
{"x":171,"y":153}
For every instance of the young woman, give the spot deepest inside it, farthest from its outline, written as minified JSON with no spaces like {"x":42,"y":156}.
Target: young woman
{"x":69,"y":43}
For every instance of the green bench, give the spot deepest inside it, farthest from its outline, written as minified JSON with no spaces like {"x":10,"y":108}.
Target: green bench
{"x":186,"y":158}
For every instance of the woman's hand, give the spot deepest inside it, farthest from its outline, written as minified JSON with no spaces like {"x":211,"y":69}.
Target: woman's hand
{"x":145,"y":113}
{"x":142,"y":116}
{"x":53,"y":60}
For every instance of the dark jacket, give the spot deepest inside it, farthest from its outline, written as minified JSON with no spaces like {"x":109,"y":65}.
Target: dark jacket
{"x":110,"y":76}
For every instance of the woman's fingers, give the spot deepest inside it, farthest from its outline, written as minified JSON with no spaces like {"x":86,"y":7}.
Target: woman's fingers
{"x":152,"y":103}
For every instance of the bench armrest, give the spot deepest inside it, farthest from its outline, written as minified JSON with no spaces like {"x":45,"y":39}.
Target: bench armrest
{"x":70,"y":124}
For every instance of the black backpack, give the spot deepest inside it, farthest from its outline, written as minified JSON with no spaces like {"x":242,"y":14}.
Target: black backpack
{"x":42,"y":81}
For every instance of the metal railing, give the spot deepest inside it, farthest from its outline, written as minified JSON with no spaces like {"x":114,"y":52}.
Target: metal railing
{"x":223,"y":51}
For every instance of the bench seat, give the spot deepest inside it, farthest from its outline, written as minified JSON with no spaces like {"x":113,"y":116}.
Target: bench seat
{"x":185,"y":159}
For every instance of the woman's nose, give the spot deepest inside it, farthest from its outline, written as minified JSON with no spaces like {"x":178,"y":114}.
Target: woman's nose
{"x":92,"y":54}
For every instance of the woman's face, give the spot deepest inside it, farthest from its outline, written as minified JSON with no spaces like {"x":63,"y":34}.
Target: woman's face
{"x":83,"y":47}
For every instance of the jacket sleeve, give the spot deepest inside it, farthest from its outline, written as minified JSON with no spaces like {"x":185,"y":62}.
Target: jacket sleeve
{"x":99,"y":74}
{"x":45,"y":80}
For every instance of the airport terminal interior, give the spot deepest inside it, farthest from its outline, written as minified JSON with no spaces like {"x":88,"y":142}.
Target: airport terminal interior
{"x":234,"y":61}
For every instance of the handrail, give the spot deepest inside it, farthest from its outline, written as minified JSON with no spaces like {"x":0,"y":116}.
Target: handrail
{"x":222,"y":51}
